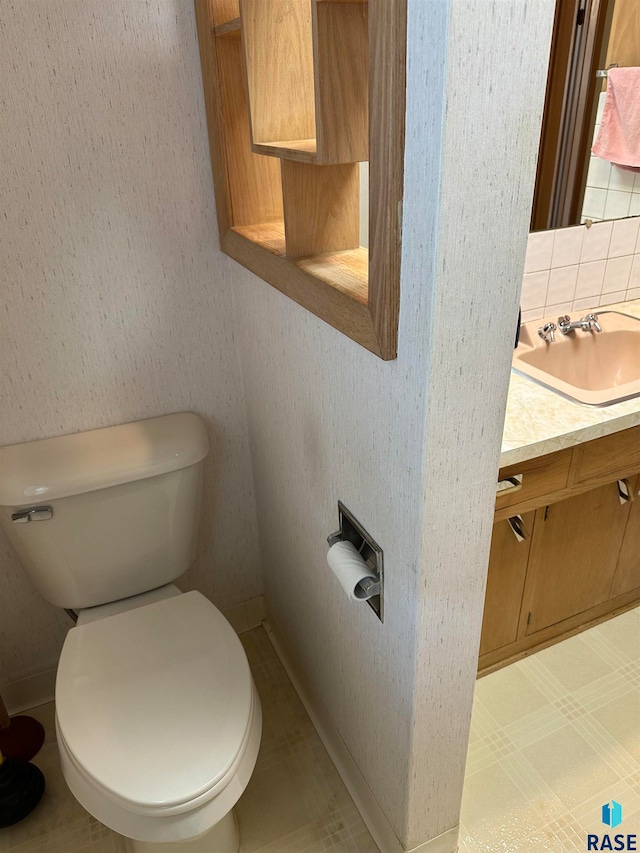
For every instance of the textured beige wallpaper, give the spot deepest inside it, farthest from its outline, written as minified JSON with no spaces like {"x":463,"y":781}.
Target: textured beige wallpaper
{"x":497,"y":59}
{"x":115,"y":303}
{"x":411,"y":446}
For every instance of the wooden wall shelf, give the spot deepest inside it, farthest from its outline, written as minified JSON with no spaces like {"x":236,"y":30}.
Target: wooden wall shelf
{"x":298,"y":93}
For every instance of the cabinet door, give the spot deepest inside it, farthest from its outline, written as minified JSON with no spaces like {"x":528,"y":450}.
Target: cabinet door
{"x":574,"y":554}
{"x":627,"y":576}
{"x":505,"y":585}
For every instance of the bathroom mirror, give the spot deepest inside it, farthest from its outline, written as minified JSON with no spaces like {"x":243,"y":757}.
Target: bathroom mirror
{"x":573,"y":185}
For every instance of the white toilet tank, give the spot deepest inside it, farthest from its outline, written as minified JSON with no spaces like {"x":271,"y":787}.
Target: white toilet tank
{"x":107,"y":514}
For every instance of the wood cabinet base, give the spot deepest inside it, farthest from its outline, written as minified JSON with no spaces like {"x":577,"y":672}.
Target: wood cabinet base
{"x":551,"y":635}
{"x":575,"y":560}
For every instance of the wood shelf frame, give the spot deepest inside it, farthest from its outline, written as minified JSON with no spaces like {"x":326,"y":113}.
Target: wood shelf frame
{"x":315,"y":262}
{"x":307,"y":79}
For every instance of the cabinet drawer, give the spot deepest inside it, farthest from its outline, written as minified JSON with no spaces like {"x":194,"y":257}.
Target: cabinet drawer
{"x":605,"y":459}
{"x":540,"y":476}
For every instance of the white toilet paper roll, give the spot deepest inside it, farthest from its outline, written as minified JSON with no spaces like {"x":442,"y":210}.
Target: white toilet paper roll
{"x":349,"y":567}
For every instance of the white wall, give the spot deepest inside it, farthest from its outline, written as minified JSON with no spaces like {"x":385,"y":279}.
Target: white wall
{"x":497,"y":59}
{"x":115,"y":302}
{"x":411,"y":446}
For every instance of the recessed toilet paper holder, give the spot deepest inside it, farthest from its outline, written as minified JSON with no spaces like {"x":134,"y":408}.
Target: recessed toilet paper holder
{"x":352,"y":531}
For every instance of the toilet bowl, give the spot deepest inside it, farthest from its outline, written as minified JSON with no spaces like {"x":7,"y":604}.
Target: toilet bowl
{"x":157,"y":716}
{"x":167,"y":686}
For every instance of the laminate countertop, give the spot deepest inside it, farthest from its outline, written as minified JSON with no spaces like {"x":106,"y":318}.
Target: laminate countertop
{"x":539,"y":421}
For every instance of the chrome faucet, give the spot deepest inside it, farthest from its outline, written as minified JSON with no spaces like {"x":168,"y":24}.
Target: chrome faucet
{"x":588,"y":323}
{"x":548,"y":332}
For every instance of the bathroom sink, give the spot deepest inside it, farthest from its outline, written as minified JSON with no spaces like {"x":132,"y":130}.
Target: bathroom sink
{"x":590,"y":367}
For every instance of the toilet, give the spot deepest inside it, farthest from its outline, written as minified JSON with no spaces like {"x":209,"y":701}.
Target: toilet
{"x":157,"y":716}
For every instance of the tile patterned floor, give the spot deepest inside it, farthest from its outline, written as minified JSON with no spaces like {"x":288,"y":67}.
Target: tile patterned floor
{"x":553,"y":737}
{"x":295,"y":802}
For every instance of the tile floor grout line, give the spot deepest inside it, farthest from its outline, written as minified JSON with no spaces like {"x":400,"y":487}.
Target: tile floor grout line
{"x":597,"y":736}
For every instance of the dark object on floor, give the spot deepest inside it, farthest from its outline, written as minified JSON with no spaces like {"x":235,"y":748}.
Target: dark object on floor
{"x":20,"y":737}
{"x":21,"y":789}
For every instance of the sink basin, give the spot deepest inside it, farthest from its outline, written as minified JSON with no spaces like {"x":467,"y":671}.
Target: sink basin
{"x":594,"y":368}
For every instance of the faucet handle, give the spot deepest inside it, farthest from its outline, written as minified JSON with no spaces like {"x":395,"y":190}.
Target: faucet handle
{"x":548,"y":332}
{"x":564,"y":322}
{"x":592,"y":320}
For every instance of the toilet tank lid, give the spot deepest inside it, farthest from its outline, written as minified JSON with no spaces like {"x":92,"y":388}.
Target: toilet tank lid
{"x":41,"y":471}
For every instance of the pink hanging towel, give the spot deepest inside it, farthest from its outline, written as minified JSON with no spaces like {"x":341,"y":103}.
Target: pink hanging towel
{"x":619,"y":137}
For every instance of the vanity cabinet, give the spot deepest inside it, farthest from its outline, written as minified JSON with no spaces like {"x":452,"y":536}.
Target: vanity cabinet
{"x":579,"y":562}
{"x":574,"y":553}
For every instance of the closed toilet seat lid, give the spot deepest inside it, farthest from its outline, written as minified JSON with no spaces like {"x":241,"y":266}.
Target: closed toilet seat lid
{"x":155,"y":704}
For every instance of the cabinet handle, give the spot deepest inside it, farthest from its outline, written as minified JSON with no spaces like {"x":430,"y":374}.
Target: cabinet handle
{"x":518,"y":527}
{"x":625,"y":492}
{"x":508,"y":485}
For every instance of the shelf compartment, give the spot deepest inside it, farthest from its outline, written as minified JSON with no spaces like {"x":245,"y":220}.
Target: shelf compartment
{"x":268,"y":235}
{"x":341,"y":72}
{"x":346,"y":272}
{"x":321,"y":208}
{"x":307,"y":78}
{"x":222,"y":11}
{"x":255,"y":188}
{"x":278,"y":54}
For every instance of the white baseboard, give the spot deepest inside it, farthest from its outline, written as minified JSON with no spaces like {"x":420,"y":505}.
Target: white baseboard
{"x":366,"y":803}
{"x":29,"y":692}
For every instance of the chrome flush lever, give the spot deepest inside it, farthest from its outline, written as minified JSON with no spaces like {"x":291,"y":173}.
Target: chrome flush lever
{"x":34,"y":513}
